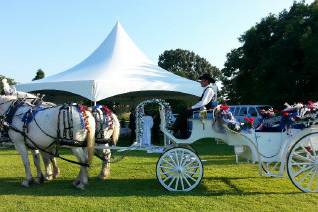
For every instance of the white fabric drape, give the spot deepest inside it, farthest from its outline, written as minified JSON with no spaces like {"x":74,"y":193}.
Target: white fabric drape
{"x":148,"y":123}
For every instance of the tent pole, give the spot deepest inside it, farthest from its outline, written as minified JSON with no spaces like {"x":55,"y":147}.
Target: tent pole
{"x":94,"y":103}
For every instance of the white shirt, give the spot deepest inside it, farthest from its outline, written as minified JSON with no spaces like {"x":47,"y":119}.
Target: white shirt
{"x":210,"y":92}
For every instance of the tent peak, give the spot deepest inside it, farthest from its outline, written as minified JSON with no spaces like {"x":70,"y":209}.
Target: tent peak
{"x":118,"y":24}
{"x":117,"y":66}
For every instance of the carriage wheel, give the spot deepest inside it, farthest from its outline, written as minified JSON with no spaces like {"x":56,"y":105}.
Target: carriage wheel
{"x":302,"y":163}
{"x":179,"y":169}
{"x":273,"y":169}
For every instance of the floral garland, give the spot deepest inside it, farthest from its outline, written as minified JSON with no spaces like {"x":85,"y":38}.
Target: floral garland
{"x":140,"y":112}
{"x":108,"y":116}
{"x":82,"y":109}
{"x":300,"y":114}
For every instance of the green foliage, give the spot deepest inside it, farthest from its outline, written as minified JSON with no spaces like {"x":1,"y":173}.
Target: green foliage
{"x":39,"y":75}
{"x":187,"y":64}
{"x":10,"y":81}
{"x":278,"y":59}
{"x":123,"y":116}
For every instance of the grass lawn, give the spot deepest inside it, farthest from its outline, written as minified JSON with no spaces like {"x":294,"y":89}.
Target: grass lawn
{"x":133,"y":186}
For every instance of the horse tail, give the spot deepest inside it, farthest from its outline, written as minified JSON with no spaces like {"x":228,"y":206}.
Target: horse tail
{"x":90,"y":137}
{"x":116,"y":129}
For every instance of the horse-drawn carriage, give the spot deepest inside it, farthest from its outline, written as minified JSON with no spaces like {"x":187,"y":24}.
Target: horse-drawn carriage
{"x":179,"y":168}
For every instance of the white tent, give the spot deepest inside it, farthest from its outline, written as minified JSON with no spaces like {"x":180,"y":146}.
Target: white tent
{"x":116,"y":67}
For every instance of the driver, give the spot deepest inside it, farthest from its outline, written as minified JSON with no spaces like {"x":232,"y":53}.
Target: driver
{"x":206,"y":101}
{"x":209,"y":95}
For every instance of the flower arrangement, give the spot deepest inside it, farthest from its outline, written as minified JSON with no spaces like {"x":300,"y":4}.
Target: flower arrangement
{"x":298,"y":116}
{"x":248,"y":122}
{"x":224,"y":107}
{"x":224,"y":114}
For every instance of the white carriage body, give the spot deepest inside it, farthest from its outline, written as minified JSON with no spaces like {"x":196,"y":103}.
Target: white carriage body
{"x":179,"y":168}
{"x":252,"y":145}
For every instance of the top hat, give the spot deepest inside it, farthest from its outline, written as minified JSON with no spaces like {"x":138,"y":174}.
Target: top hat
{"x":207,"y":77}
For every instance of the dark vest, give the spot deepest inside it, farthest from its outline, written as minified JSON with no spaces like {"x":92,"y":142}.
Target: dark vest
{"x":210,"y":104}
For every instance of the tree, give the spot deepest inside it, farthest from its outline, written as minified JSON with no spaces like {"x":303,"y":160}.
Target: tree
{"x":187,"y":64}
{"x":10,"y":81}
{"x":39,"y":75}
{"x":278,"y":59}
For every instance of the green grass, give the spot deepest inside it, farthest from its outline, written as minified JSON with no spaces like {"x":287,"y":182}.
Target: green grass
{"x":133,"y":186}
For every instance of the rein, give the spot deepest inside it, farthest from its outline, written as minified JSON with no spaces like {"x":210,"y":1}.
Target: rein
{"x":8,"y":125}
{"x":50,"y":153}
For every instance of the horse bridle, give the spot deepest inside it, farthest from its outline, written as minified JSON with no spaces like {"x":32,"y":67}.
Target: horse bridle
{"x":3,"y":123}
{"x":4,"y":115}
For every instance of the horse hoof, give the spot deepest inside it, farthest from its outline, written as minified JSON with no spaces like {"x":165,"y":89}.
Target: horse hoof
{"x":85,"y":182}
{"x":39,"y":180}
{"x":80,"y":186}
{"x":26,"y":183}
{"x":102,"y":177}
{"x":76,"y":183}
{"x":48,"y":178}
{"x":104,"y":174}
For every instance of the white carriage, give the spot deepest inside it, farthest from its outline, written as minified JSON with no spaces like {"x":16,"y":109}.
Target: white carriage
{"x":179,"y":168}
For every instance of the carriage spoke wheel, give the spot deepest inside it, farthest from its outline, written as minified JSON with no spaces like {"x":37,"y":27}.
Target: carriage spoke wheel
{"x":302,"y":163}
{"x":273,"y":169}
{"x":179,"y":169}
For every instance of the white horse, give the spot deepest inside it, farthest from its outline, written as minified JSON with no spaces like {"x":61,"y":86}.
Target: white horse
{"x":33,"y":99}
{"x":107,"y":132}
{"x":43,"y":131}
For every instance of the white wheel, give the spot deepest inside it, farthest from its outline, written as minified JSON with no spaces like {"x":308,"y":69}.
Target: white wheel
{"x":179,"y":169}
{"x":302,"y":163}
{"x":273,"y":169}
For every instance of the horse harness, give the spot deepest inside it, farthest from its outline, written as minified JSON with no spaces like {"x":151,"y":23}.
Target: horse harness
{"x":103,"y":119}
{"x":64,"y":134}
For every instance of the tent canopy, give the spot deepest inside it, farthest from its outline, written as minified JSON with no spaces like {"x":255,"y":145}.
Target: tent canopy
{"x":116,"y":67}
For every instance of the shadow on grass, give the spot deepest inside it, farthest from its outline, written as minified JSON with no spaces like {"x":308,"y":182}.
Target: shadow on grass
{"x":203,"y":147}
{"x":126,"y":187}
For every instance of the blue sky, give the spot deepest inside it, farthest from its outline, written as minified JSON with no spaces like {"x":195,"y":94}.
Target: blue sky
{"x":56,"y":35}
